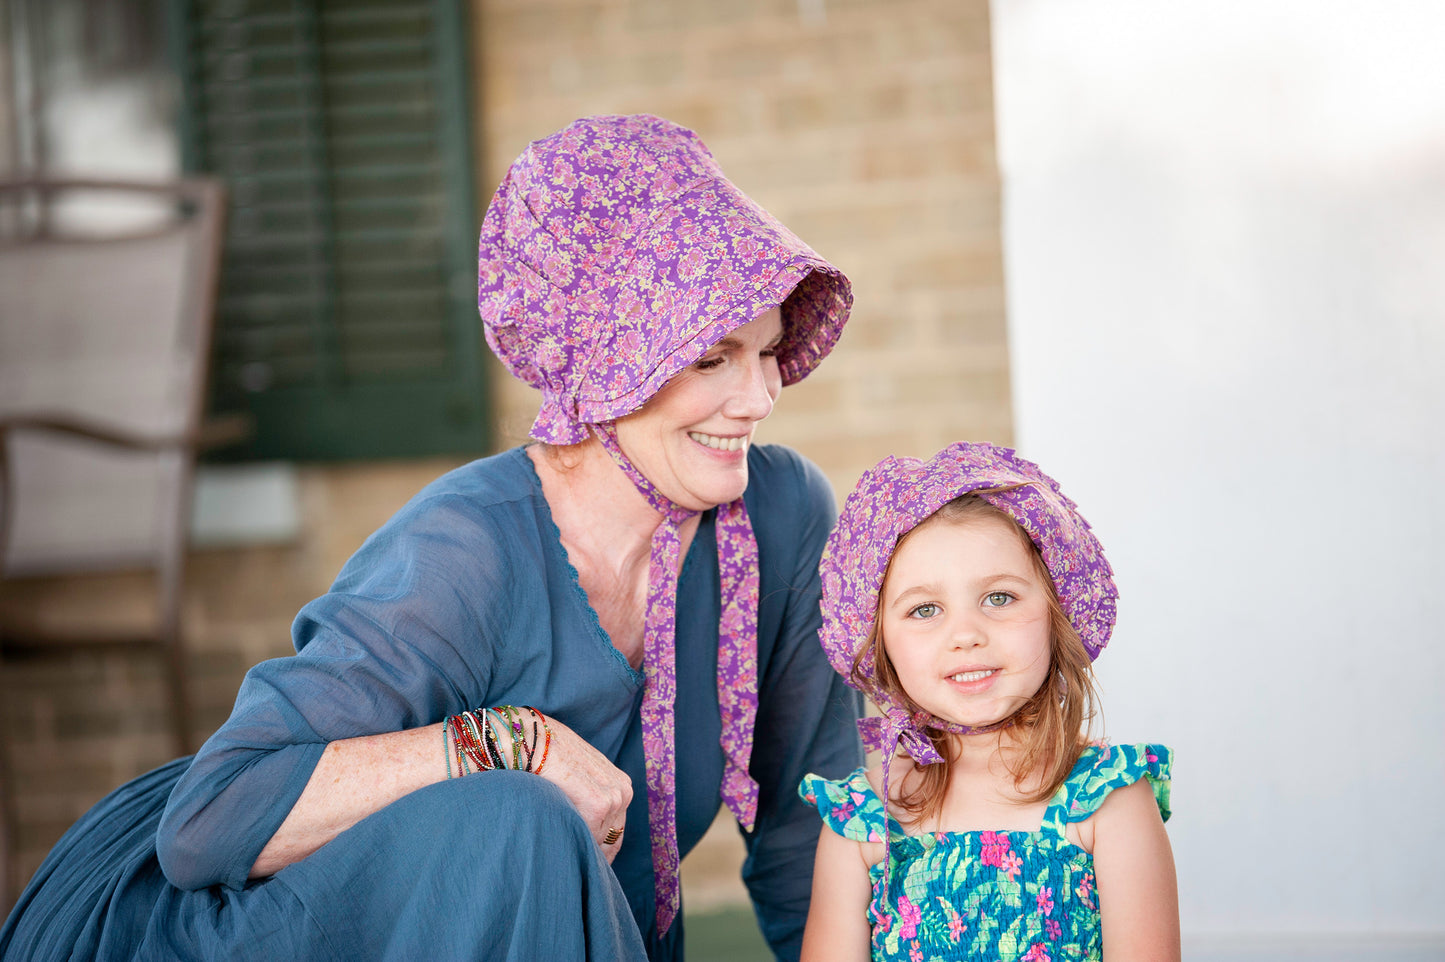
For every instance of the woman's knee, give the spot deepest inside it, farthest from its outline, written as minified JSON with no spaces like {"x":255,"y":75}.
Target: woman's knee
{"x":498,"y":815}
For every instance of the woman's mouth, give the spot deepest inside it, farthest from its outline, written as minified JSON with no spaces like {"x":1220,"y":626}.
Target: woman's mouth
{"x":719,"y":443}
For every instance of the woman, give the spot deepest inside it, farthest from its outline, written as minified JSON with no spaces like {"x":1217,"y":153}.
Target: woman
{"x":644,"y":577}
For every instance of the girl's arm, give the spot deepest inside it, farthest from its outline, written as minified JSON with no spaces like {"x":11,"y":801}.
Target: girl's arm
{"x":1134,"y":870}
{"x":838,"y":918}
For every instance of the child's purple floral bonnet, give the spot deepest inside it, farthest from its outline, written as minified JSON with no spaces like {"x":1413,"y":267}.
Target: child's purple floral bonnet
{"x":616,"y":253}
{"x":897,"y":495}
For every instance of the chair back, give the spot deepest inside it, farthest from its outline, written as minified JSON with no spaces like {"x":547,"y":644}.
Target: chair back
{"x":107,"y":292}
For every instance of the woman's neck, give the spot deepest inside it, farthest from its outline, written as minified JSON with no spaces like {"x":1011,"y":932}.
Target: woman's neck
{"x":606,"y":526}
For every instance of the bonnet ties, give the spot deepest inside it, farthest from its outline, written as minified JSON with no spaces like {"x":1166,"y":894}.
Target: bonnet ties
{"x":899,"y":728}
{"x":737,"y":670}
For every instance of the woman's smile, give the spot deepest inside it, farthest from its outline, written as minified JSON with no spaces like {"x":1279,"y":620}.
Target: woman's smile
{"x":691,"y":439}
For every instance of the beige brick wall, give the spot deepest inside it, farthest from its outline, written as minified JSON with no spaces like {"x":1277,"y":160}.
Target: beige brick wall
{"x":869,"y":131}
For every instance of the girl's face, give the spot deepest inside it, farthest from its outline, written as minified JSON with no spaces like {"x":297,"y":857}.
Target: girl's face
{"x":691,"y":438}
{"x":965,"y":619}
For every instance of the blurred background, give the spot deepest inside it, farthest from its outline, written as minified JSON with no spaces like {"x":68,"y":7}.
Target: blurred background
{"x":1186,"y":256}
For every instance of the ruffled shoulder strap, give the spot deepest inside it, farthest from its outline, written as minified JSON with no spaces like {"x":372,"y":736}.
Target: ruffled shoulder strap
{"x":1101,"y":769}
{"x":848,"y":806}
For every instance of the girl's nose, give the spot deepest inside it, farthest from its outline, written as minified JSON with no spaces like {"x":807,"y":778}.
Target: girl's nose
{"x":758,"y":387}
{"x":968,"y":633}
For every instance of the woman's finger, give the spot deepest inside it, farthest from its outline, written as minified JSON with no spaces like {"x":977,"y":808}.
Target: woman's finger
{"x":600,"y":790}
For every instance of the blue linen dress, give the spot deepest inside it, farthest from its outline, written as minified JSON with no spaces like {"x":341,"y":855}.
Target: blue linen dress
{"x":464,"y":598}
{"x":990,"y":896}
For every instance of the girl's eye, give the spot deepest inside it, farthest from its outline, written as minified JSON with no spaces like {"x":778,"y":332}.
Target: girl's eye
{"x":997,"y":599}
{"x":708,"y":363}
{"x":924,"y":611}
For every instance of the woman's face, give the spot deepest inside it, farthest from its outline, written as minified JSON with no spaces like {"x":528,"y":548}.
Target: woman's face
{"x":691,"y":439}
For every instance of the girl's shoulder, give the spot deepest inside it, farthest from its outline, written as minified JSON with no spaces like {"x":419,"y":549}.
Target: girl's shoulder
{"x":849,"y":806}
{"x":1103,"y":768}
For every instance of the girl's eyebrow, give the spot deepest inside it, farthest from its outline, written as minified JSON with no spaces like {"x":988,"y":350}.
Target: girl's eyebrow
{"x":912,"y":590}
{"x":934,"y":589}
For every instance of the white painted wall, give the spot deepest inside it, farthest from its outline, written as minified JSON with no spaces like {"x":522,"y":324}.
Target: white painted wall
{"x":1224,"y":231}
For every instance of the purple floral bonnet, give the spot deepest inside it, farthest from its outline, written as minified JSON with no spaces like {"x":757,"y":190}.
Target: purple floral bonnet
{"x":900,"y":493}
{"x":614,"y":255}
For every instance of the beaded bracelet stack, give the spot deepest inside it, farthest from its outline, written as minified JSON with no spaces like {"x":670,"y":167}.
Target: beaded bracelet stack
{"x":472,"y":737}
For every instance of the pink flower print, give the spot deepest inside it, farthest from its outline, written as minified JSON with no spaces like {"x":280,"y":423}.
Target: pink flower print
{"x":689,"y":231}
{"x":1010,"y":865}
{"x":691,"y":266}
{"x":956,"y":926}
{"x":666,"y":247}
{"x":1038,"y":952}
{"x":915,"y":954}
{"x":1150,"y":757}
{"x":630,"y":344}
{"x":995,"y":848}
{"x":909,"y":915}
{"x":1086,"y":887}
{"x":550,"y":354}
{"x":1045,"y":900}
{"x":1054,"y":929}
{"x":562,"y":173}
{"x":843,"y":812}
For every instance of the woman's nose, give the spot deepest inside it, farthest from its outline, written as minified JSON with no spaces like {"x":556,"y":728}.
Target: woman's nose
{"x":758,"y":387}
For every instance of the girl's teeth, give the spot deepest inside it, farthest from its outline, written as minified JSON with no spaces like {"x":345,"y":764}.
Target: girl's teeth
{"x":973,"y":675}
{"x":719,"y":444}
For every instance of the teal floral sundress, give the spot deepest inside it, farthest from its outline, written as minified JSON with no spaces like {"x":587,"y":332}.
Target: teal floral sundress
{"x":1025,"y":896}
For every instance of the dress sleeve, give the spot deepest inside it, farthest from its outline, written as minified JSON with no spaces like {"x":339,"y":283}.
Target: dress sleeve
{"x":1114,"y":767}
{"x":806,"y":715}
{"x":377,"y":653}
{"x":848,"y":806}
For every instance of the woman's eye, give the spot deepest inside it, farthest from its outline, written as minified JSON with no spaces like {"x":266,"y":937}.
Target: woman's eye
{"x":924,"y":611}
{"x":997,"y":599}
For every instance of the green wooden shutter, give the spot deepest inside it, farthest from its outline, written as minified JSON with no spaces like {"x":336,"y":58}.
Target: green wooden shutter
{"x":347,"y":322}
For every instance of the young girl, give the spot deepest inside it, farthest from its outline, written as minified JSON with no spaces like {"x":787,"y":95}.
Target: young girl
{"x":967,"y":597}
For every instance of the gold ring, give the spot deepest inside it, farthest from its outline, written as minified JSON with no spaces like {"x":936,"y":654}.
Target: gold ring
{"x":612,"y":837}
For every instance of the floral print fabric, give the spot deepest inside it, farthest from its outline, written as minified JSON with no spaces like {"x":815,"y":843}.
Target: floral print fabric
{"x":615,"y":253}
{"x":1006,"y":896}
{"x":737,"y":671}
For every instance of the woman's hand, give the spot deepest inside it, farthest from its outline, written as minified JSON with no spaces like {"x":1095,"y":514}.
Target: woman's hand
{"x":600,"y":790}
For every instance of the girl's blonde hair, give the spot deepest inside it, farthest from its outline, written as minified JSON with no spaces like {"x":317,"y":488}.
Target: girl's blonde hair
{"x":1053,"y":726}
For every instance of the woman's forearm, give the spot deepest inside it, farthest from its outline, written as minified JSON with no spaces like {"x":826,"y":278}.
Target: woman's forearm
{"x":358,"y":776}
{"x":354,"y":778}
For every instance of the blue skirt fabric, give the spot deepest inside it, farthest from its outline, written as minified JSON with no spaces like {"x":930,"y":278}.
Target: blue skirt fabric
{"x":465,"y":598}
{"x":443,"y":873}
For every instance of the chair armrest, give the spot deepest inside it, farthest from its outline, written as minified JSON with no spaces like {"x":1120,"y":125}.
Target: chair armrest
{"x":214,"y":432}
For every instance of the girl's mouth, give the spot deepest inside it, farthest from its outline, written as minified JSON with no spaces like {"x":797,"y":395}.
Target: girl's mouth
{"x":967,"y":676}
